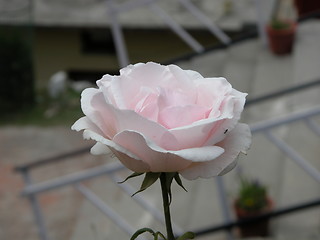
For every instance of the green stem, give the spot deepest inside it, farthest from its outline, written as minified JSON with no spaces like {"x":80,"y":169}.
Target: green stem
{"x":166,"y":207}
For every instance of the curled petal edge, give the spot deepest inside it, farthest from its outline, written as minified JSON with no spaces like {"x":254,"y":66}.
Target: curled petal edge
{"x":199,"y":154}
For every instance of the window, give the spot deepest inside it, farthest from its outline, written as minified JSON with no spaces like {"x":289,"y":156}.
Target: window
{"x":97,"y":41}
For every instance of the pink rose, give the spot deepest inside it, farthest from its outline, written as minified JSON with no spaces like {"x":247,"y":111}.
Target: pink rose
{"x":158,"y":118}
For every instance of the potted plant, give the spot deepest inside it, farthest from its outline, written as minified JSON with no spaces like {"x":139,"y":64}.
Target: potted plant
{"x":252,"y":201}
{"x":281,"y":32}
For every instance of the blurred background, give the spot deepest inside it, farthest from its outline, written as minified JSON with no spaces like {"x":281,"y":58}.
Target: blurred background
{"x":50,"y":50}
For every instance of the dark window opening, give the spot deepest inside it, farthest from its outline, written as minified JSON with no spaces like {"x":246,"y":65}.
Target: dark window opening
{"x":97,"y":41}
{"x":90,"y":76}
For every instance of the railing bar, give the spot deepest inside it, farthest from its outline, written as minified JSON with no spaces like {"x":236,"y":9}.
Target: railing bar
{"x":105,"y":209}
{"x":224,"y":204}
{"x":282,"y":92}
{"x":117,"y":35}
{"x":272,"y":214}
{"x":71,"y":178}
{"x":265,"y":125}
{"x":291,"y":153}
{"x":36,"y":208}
{"x":54,"y":159}
{"x":206,"y":21}
{"x":144,"y":203}
{"x":184,"y":35}
{"x":313,"y":126}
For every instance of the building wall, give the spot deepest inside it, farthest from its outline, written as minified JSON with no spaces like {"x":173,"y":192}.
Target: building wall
{"x":57,"y":49}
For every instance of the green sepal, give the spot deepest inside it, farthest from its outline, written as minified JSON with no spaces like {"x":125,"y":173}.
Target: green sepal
{"x":135,"y":174}
{"x":169,"y":178}
{"x":157,"y":234}
{"x":141,"y":231}
{"x":148,"y":180}
{"x":179,"y":182}
{"x":187,"y":235}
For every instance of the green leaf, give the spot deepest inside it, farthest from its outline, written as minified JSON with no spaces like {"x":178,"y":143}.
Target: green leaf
{"x":187,"y":235}
{"x":141,"y":231}
{"x":178,"y":180}
{"x":148,"y":180}
{"x":132,"y":176}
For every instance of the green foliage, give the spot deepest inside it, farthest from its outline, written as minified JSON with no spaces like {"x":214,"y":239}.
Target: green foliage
{"x":150,"y":178}
{"x":279,"y":24}
{"x":252,"y":196}
{"x":47,"y":111}
{"x":16,"y":74}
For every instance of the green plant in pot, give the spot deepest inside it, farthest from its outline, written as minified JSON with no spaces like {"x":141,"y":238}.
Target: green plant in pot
{"x":281,"y":32}
{"x":252,"y":201}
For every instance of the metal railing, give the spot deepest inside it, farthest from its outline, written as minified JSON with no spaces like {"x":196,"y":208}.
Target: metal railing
{"x":31,"y":190}
{"x":114,"y":10}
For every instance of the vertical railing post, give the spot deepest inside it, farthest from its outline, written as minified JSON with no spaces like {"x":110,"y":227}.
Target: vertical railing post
{"x":261,"y":22}
{"x":35,"y":206}
{"x":117,"y":35}
{"x":223,"y":204}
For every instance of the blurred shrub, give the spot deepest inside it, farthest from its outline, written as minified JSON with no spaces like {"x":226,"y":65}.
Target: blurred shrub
{"x":16,"y":72}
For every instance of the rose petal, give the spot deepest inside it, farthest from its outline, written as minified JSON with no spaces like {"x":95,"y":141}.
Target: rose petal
{"x":168,"y":98}
{"x":181,"y":80}
{"x":99,"y":149}
{"x":93,"y":103}
{"x":195,"y":76}
{"x":112,"y":120}
{"x":148,"y":75}
{"x":127,"y":158}
{"x":161,"y":160}
{"x":85,"y":123}
{"x":212,"y":91}
{"x":177,"y":116}
{"x":147,"y":106}
{"x":210,"y":131}
{"x":131,"y":163}
{"x":238,"y":140}
{"x":112,"y":90}
{"x":201,"y":131}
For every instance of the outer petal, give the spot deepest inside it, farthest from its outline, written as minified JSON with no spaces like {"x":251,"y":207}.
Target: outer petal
{"x":93,"y":104}
{"x":85,"y":123}
{"x":238,"y":140}
{"x":100,"y":149}
{"x":161,"y":160}
{"x":205,"y":132}
{"x":128,"y":159}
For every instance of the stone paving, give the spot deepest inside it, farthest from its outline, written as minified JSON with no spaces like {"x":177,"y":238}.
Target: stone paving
{"x":20,"y":145}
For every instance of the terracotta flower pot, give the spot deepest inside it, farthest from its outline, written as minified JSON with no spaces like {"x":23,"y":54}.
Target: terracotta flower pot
{"x":281,"y":40}
{"x":259,"y":228}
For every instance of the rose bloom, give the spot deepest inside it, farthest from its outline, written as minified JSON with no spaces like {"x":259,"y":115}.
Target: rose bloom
{"x":157,"y":118}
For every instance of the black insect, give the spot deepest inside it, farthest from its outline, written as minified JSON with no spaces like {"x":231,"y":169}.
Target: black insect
{"x":225,"y":131}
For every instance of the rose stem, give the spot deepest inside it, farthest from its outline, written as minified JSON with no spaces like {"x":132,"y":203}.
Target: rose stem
{"x":166,"y":207}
